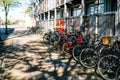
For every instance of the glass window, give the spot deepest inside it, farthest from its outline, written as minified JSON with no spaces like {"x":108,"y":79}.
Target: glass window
{"x":101,"y":8}
{"x":42,"y":17}
{"x":76,"y":11}
{"x":92,"y":10}
{"x":96,"y":8}
{"x":101,"y":1}
{"x":52,"y":15}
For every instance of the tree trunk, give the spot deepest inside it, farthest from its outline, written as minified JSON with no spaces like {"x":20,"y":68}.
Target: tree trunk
{"x":6,"y":28}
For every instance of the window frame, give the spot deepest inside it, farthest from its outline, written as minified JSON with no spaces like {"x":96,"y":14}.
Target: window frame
{"x":96,"y":7}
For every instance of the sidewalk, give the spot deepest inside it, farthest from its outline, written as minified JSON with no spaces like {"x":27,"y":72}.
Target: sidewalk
{"x":19,"y":38}
{"x":30,"y":60}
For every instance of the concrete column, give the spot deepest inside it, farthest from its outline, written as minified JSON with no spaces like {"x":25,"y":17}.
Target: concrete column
{"x":65,"y":1}
{"x":44,"y":22}
{"x":55,"y":14}
{"x":83,"y":6}
{"x":65,"y":15}
{"x":65,"y":10}
{"x":59,"y":2}
{"x":82,"y":11}
{"x":48,"y":27}
{"x":117,"y":19}
{"x":97,"y":22}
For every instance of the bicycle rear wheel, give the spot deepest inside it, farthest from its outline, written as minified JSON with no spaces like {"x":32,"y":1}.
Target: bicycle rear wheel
{"x":107,"y":66}
{"x":88,"y":58}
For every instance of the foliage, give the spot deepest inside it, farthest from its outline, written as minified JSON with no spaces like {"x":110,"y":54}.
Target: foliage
{"x":7,"y":5}
{"x":28,"y":10}
{"x":1,"y":20}
{"x":8,"y":21}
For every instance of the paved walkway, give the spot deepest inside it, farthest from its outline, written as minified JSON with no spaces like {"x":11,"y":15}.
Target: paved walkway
{"x":29,"y":59}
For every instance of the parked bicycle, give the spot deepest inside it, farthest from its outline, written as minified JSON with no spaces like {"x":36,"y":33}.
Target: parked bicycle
{"x":88,"y":57}
{"x":46,"y":36}
{"x":81,"y":44}
{"x":108,"y":64}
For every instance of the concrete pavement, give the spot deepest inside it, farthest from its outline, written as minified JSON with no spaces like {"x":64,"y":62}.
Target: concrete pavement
{"x":29,"y":59}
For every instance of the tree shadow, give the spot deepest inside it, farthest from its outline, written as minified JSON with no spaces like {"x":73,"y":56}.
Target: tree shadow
{"x":34,"y":57}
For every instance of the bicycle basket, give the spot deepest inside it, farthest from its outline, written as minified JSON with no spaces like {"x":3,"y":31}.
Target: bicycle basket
{"x":106,"y":40}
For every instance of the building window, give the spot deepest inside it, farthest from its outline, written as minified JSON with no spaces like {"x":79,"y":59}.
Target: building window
{"x":98,"y":7}
{"x":52,"y":15}
{"x":42,"y":16}
{"x":114,"y":5}
{"x":62,"y":14}
{"x":76,"y":11}
{"x":46,"y":16}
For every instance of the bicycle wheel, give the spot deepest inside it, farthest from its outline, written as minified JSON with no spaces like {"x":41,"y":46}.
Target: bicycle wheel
{"x":88,"y":58}
{"x":46,"y":38}
{"x":118,"y":73}
{"x":106,"y":66}
{"x":1,"y":63}
{"x":76,"y":51}
{"x":66,"y":48}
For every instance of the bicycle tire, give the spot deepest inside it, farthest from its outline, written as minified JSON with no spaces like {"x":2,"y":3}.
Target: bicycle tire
{"x":106,"y":66}
{"x":45,"y":38}
{"x":65,"y":48}
{"x":118,"y":73}
{"x":88,"y":58}
{"x":76,"y":51}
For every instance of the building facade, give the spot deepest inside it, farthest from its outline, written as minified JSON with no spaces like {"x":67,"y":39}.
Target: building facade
{"x":98,"y":16}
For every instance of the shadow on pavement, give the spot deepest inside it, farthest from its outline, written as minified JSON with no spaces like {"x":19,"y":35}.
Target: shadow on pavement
{"x":32,"y":61}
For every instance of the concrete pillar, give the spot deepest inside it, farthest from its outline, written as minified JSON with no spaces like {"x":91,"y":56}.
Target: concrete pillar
{"x":97,"y":23}
{"x":117,"y":19}
{"x":82,"y":11}
{"x":83,"y":6}
{"x":65,"y":1}
{"x":48,"y":27}
{"x":65,"y":15}
{"x":55,"y":14}
{"x":44,"y":22}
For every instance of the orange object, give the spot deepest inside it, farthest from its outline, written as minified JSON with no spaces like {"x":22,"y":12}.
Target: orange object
{"x":60,"y":26}
{"x":106,"y":40}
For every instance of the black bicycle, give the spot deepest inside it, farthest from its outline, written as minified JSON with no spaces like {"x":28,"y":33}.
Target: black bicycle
{"x":109,"y":62}
{"x":88,"y":57}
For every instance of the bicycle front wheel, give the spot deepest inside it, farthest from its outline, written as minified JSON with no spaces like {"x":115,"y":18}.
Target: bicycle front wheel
{"x":118,"y":73}
{"x":88,"y":58}
{"x":76,"y":51}
{"x":107,"y":66}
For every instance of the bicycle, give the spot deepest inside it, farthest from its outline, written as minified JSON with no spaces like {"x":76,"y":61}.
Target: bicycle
{"x":88,"y":56}
{"x":69,"y":44}
{"x":109,"y":62}
{"x":81,"y":44}
{"x":46,"y":36}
